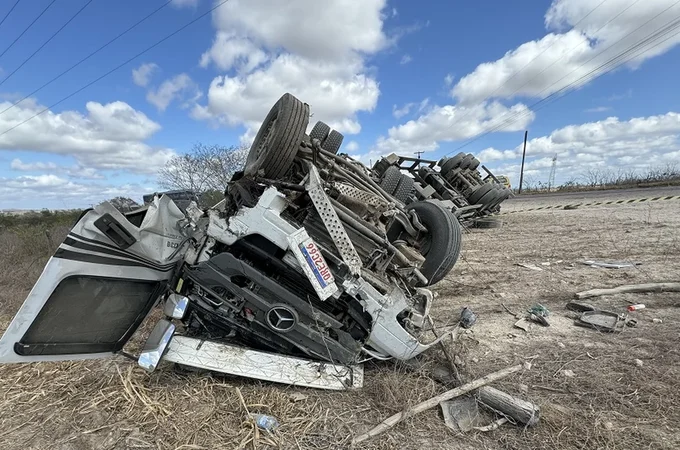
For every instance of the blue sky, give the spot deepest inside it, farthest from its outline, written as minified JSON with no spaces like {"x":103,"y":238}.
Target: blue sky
{"x":393,"y":76}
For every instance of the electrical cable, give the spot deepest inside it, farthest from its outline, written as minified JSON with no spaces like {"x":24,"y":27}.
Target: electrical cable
{"x":183,"y":27}
{"x":9,"y":12}
{"x":27,"y":28}
{"x":609,"y":65}
{"x":136,"y":24}
{"x":46,"y":42}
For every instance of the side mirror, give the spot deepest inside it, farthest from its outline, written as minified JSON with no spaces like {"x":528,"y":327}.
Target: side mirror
{"x":155,"y":346}
{"x":176,"y":306}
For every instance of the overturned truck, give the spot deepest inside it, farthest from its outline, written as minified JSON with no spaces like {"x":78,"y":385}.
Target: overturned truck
{"x":307,"y":262}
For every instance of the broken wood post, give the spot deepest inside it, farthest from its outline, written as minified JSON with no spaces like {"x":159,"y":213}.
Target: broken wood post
{"x":434,"y":401}
{"x":647,"y":287}
{"x":515,"y":409}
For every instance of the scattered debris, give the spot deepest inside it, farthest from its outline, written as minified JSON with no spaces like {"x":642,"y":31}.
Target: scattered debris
{"x":434,"y":401}
{"x":493,"y":425}
{"x":657,"y":321}
{"x":530,"y":266}
{"x":636,"y":307}
{"x":580,"y":307}
{"x":521,"y":412}
{"x":568,"y":207}
{"x":298,"y":397}
{"x":265,"y":422}
{"x":601,"y":321}
{"x":523,"y":324}
{"x":461,"y":414}
{"x":646,"y":287}
{"x":639,"y":363}
{"x":568,"y":373}
{"x":467,"y":318}
{"x":611,"y":265}
{"x":539,"y":314}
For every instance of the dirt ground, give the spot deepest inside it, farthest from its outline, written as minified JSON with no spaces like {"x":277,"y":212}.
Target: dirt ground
{"x":595,"y":390}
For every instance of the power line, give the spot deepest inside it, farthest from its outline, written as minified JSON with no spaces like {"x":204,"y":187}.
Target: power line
{"x":143,"y":19}
{"x":46,"y":42}
{"x":554,"y":96}
{"x":177,"y":31}
{"x":649,"y":38}
{"x":28,"y":27}
{"x":555,"y":61}
{"x":9,"y":12}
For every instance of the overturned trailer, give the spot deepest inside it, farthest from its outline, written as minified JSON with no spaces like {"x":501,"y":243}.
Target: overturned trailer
{"x":456,"y":181}
{"x":308,"y":263}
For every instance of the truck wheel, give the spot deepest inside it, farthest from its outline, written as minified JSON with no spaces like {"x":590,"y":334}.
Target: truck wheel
{"x":452,"y":163}
{"x":333,"y":142}
{"x":320,"y":131}
{"x":479,"y":193}
{"x":278,"y":139}
{"x":474,"y":164}
{"x":440,"y":245}
{"x":467,"y":161}
{"x":390,"y":179}
{"x":404,"y":188}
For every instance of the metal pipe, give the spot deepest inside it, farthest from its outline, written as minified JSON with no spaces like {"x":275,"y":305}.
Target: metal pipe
{"x":352,"y":214}
{"x":364,"y":176}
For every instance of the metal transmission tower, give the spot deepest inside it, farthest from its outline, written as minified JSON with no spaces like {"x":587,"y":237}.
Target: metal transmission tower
{"x":551,"y":178}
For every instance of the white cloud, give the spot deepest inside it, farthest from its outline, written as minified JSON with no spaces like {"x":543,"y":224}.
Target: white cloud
{"x":229,"y":50}
{"x":185,"y":3}
{"x":598,"y":109}
{"x":406,"y":109}
{"x":352,"y":146}
{"x":448,"y":79}
{"x":334,"y":92}
{"x":108,"y":136}
{"x":405,"y":59}
{"x":175,"y":88}
{"x":610,"y":143}
{"x":37,"y":191}
{"x":450,"y":123}
{"x":75,"y":171}
{"x":546,"y":65}
{"x":265,"y":55}
{"x":141,"y":76}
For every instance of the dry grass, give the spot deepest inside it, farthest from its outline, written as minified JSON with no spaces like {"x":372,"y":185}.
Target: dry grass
{"x":611,"y":403}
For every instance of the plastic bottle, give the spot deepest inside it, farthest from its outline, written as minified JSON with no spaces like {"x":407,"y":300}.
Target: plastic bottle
{"x":265,"y":422}
{"x":637,"y":307}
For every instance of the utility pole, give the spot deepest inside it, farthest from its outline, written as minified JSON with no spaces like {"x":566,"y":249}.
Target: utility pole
{"x":551,"y":178}
{"x":418,"y":154}
{"x":524,"y":153}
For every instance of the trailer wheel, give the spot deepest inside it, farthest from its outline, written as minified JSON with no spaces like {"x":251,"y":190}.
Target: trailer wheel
{"x":452,"y":163}
{"x":320,"y":131}
{"x":467,"y":161}
{"x":440,"y":245}
{"x":475,"y":163}
{"x":390,"y":179}
{"x":278,"y":139}
{"x":404,"y":188}
{"x":333,"y":142}
{"x":479,"y":193}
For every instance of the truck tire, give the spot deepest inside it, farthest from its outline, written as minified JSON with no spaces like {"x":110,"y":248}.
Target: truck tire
{"x":333,"y":142}
{"x":479,"y":193}
{"x":404,"y":188}
{"x":474,"y":164}
{"x":320,"y":131}
{"x":467,"y":161}
{"x":440,"y":245}
{"x":452,"y":163}
{"x":390,"y":179}
{"x":278,"y":139}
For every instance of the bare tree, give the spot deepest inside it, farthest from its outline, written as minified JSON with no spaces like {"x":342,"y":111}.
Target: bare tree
{"x":204,"y":168}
